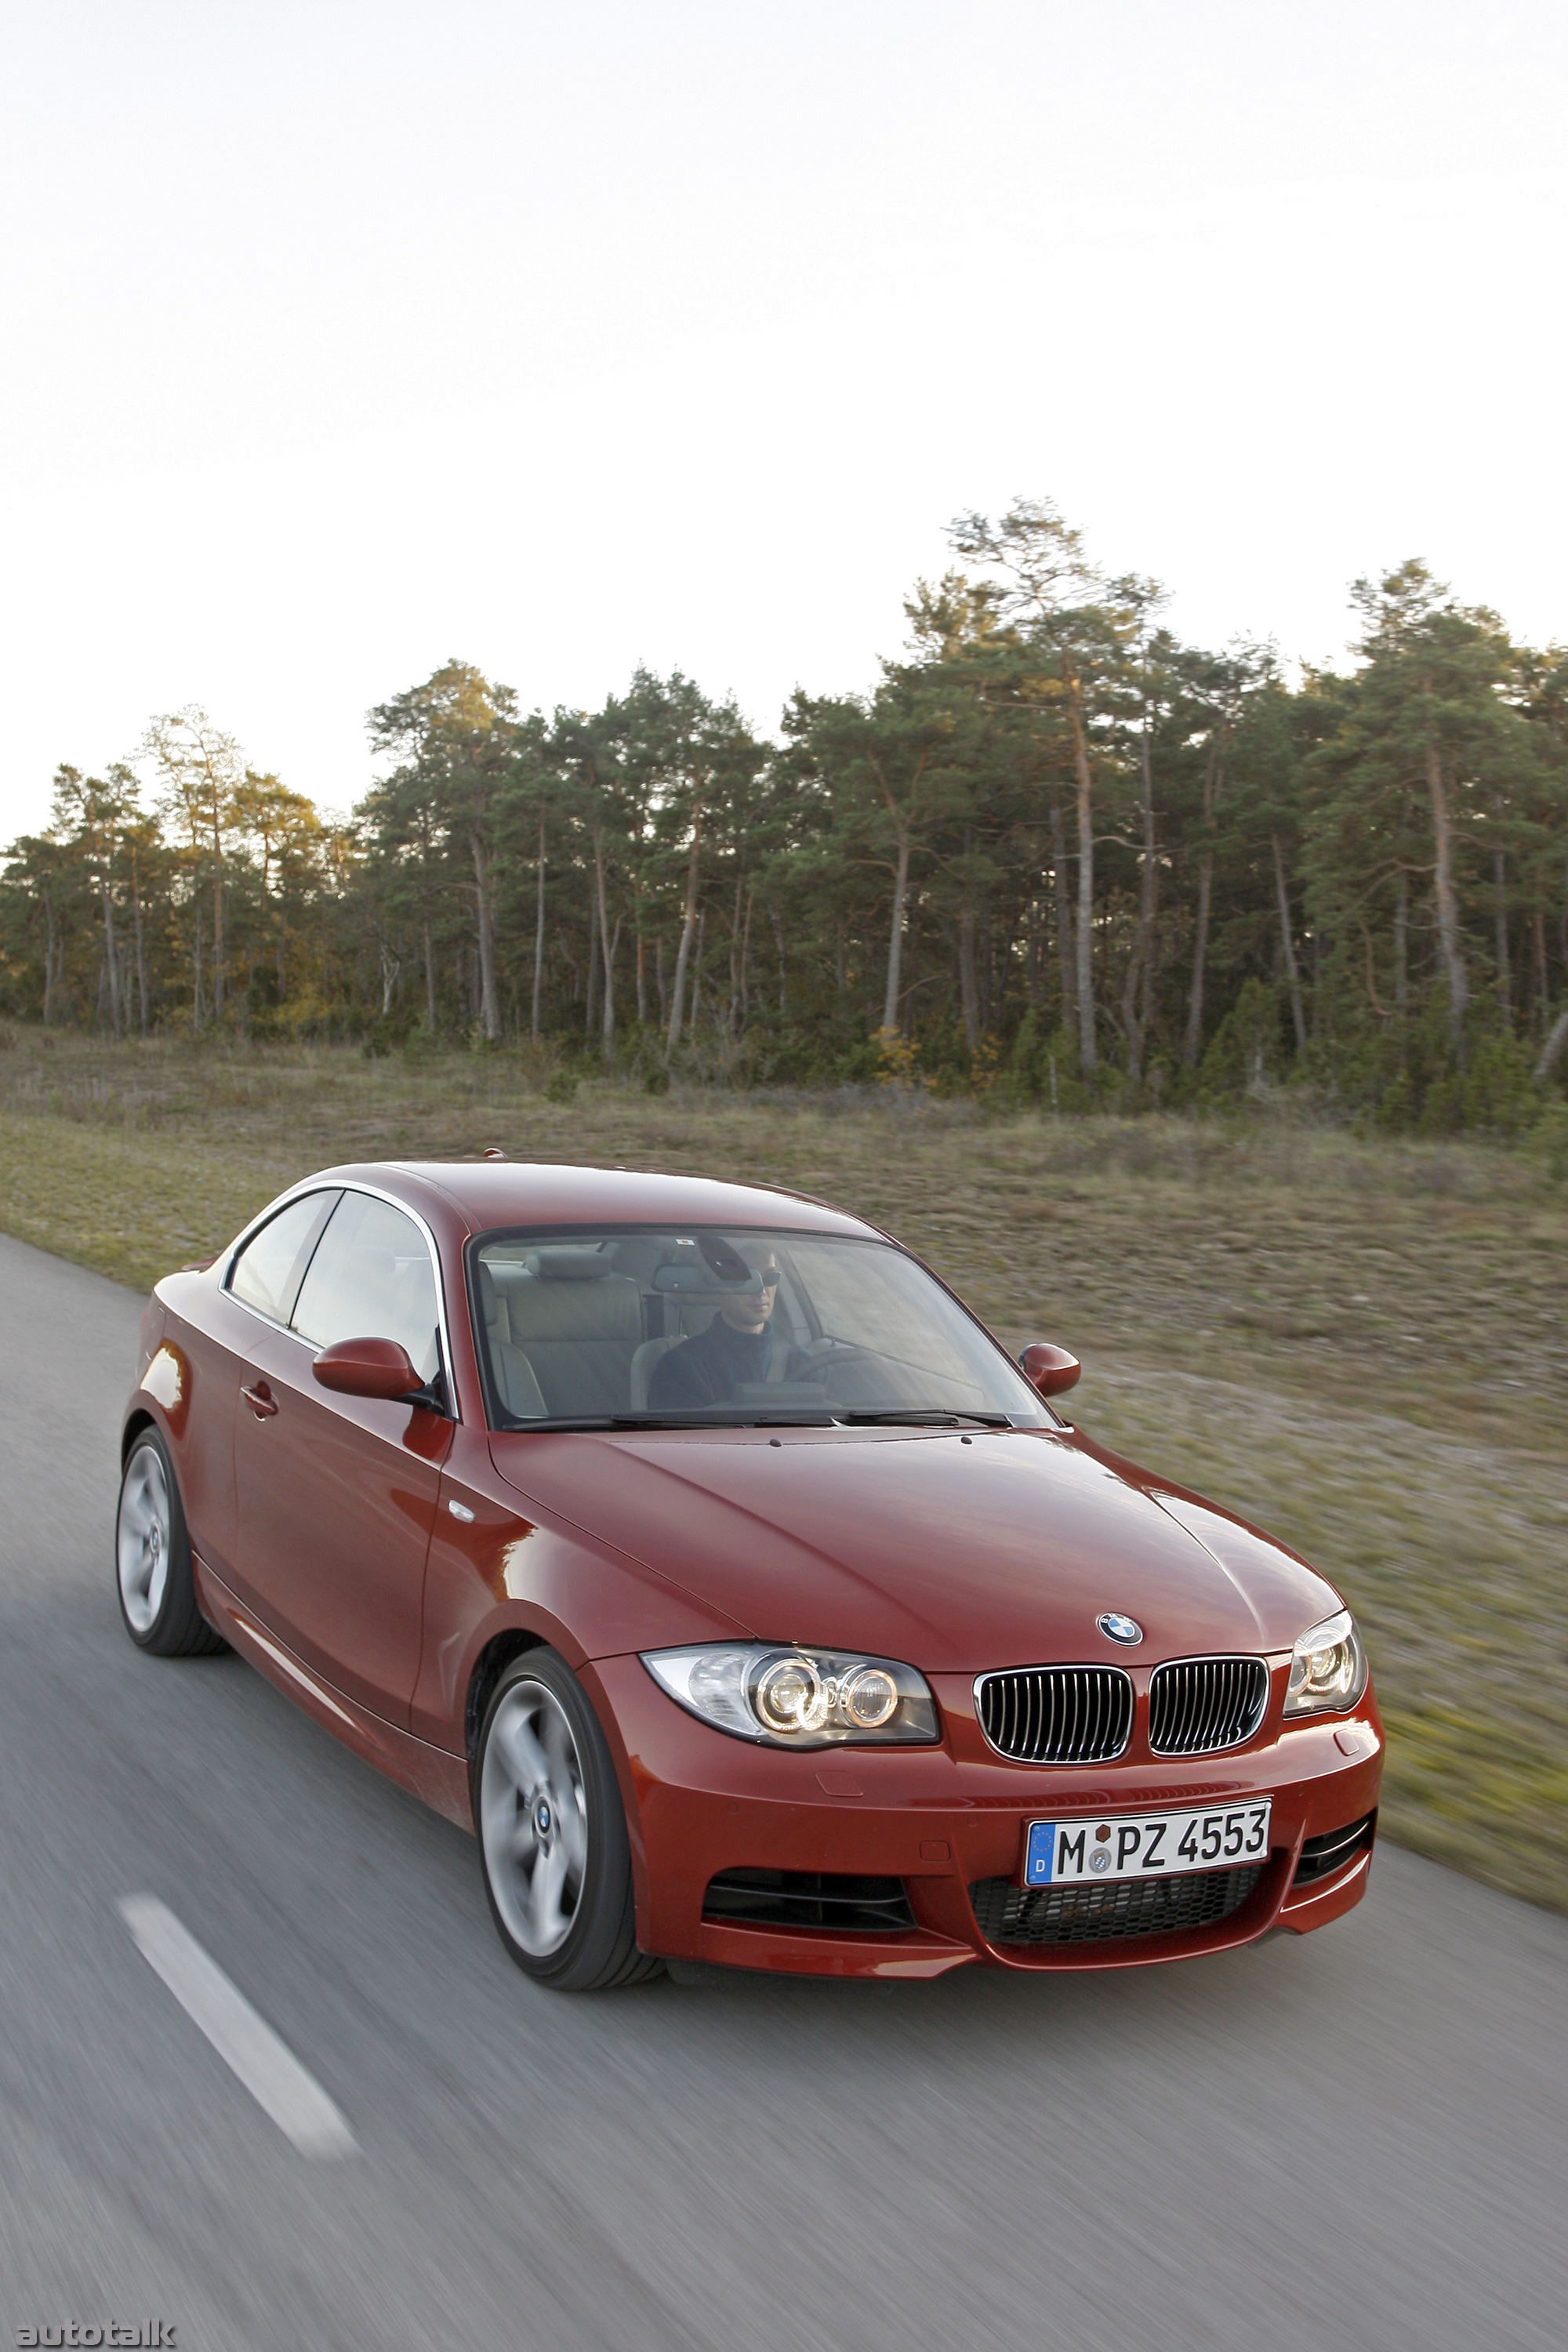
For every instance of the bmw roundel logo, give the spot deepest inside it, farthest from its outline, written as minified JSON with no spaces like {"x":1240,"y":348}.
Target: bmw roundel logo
{"x":1117,"y":1628}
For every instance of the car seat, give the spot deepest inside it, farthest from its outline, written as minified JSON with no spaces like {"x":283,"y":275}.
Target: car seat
{"x":519,"y":1391}
{"x":577,"y":1325}
{"x":683,"y":1320}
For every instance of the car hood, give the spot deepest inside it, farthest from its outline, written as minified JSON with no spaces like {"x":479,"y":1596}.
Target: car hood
{"x":955,"y":1557}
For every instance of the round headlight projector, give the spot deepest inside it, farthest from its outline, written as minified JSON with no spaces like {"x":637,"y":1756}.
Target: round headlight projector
{"x":791,"y":1695}
{"x":869,"y":1698}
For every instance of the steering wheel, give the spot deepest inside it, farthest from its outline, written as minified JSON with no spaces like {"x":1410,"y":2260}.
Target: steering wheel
{"x":825,"y":1371}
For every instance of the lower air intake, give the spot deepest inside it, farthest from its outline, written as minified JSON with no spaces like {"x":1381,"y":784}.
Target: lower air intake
{"x":1096,"y":1915}
{"x":809,"y":1898}
{"x":1322,"y":1856}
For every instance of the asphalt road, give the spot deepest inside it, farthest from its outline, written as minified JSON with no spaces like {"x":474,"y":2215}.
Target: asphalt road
{"x":1353,"y":2139}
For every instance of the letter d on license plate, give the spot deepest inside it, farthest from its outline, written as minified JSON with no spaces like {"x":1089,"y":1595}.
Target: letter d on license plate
{"x":1146,"y":1845}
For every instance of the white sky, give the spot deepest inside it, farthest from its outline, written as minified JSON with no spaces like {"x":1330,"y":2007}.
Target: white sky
{"x":341,"y":338}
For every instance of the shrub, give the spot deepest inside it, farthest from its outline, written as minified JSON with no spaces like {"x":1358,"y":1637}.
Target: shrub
{"x":1498,"y":1092}
{"x":1245,"y":1049}
{"x":1548,"y":1139}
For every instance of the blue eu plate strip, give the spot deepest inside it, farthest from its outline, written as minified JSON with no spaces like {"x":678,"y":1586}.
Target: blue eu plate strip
{"x":1038,"y":1853}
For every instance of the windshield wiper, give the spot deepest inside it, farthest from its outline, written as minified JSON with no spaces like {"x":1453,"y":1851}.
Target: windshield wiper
{"x":803,"y":1418}
{"x":925,"y":1417}
{"x":704,"y":1417}
{"x":547,"y":1421}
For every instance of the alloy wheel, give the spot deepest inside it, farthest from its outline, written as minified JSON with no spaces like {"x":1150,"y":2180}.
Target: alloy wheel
{"x":533,"y":1818}
{"x":142,"y":1540}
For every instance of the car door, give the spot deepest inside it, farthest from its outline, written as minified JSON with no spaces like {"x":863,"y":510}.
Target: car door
{"x":337,"y":1494}
{"x":210,"y":1343}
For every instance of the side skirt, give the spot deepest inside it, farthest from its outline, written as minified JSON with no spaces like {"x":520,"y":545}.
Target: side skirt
{"x":438,"y":1779}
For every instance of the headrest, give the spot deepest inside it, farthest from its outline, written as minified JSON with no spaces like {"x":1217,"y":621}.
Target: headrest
{"x":607,"y":1309}
{"x":569,"y":1264}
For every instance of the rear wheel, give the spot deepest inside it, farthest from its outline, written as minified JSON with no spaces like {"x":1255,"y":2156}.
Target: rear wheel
{"x":552,"y":1833}
{"x":153,"y":1558}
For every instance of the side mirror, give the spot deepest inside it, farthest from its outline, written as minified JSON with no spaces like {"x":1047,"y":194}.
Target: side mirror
{"x":367,"y":1368}
{"x":1050,"y":1369}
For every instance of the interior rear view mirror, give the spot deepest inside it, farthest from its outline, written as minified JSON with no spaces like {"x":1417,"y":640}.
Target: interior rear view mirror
{"x":692,"y":1276}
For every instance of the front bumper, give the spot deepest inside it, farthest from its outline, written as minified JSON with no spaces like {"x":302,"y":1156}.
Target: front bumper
{"x":942,"y":1819}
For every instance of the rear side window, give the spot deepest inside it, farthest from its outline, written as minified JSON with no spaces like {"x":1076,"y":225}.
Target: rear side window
{"x":371,"y":1278}
{"x":269,"y":1268}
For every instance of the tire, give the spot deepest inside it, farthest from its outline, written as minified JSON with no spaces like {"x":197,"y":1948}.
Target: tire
{"x":553,"y":1831}
{"x":153,"y":1558}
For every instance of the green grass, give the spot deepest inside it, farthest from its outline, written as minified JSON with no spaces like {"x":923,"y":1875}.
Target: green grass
{"x":1364,"y":1345}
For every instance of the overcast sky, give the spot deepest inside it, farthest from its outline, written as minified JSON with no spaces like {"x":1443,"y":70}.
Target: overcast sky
{"x":343,"y":338}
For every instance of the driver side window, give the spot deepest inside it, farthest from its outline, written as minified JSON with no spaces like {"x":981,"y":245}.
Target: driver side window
{"x":371,"y":1278}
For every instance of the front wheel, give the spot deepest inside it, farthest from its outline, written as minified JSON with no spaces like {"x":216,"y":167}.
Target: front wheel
{"x":153,"y":1558}
{"x":552,"y":1833}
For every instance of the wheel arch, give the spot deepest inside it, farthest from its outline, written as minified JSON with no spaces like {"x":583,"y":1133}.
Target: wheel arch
{"x":135,"y":1423}
{"x":492,"y":1663}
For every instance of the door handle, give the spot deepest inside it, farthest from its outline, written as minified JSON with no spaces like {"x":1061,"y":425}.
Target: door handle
{"x":261,"y":1400}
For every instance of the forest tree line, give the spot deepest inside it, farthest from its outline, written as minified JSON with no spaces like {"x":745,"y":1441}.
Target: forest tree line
{"x":1054,"y":853}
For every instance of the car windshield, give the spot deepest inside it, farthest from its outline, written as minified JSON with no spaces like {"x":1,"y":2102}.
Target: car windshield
{"x":707,"y":1325}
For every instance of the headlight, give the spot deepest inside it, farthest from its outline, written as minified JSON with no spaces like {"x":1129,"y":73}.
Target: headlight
{"x":1328,"y":1668}
{"x":797,"y":1698}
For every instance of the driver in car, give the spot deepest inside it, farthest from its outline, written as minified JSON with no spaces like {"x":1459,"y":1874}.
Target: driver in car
{"x":738,"y":1348}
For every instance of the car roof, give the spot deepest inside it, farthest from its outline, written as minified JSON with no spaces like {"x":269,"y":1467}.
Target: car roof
{"x":493,"y":1192}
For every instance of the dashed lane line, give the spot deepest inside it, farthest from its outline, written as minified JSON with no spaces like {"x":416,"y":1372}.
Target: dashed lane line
{"x":243,"y":2039}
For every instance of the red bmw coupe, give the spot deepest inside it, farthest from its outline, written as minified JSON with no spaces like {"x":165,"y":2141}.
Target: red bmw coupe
{"x":698,"y":1548}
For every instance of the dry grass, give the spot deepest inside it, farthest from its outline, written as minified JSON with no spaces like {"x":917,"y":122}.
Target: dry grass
{"x":1363,"y":1345}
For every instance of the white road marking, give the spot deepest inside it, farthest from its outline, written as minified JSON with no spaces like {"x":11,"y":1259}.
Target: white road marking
{"x":244,"y":2041}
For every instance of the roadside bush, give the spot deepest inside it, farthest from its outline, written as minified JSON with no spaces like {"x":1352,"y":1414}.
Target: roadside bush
{"x":1498,"y":1092}
{"x":1246,"y":1049}
{"x":384,"y":1032}
{"x":1548,"y":1139}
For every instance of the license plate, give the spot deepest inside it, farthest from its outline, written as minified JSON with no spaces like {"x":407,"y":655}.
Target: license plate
{"x":1145,"y":1845}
